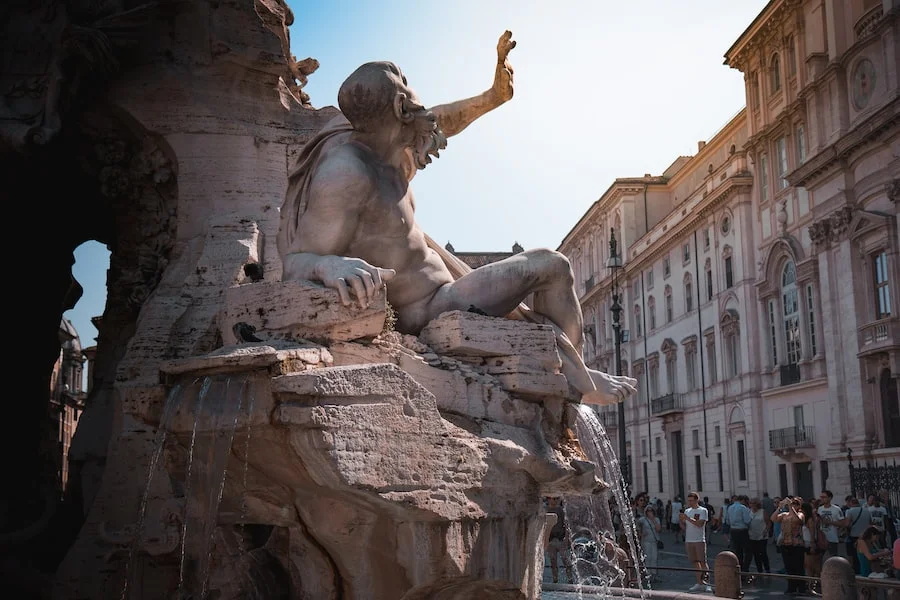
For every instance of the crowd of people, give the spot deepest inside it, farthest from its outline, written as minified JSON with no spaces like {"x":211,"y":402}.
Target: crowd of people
{"x":804,"y":532}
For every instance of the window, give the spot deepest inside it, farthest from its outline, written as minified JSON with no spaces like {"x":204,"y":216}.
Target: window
{"x":882,"y":286}
{"x":729,"y":273}
{"x":773,"y":333}
{"x":706,"y":238}
{"x":775,"y":74}
{"x":688,"y":294}
{"x":734,"y":356}
{"x":763,"y":178}
{"x":695,"y":438}
{"x":792,"y":56}
{"x":790,"y":314}
{"x":651,"y":312}
{"x":649,"y":279}
{"x":669,"y":311}
{"x":721,"y":479}
{"x":654,"y":380}
{"x":671,"y":374}
{"x":697,"y":468}
{"x":646,"y":478}
{"x":644,"y":447}
{"x":798,"y":416}
{"x":781,"y":150}
{"x":690,"y":363}
{"x":666,"y":267}
{"x":800,"y":136}
{"x":726,"y":225}
{"x":718,"y":436}
{"x":637,"y":320}
{"x":659,"y":479}
{"x":742,"y":461}
{"x":636,"y":288}
{"x":711,"y":360}
{"x":658,"y":443}
{"x":686,"y":253}
{"x":709,"y":281}
{"x":811,"y":320}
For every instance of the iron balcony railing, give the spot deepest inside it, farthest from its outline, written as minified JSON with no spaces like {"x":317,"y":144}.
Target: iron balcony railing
{"x":792,"y":437}
{"x":666,"y":404}
{"x":790,"y":374}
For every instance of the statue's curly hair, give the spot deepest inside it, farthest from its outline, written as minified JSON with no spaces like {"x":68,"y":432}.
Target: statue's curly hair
{"x":367,"y":95}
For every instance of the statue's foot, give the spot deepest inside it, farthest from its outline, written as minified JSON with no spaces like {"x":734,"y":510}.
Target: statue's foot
{"x":610,"y":389}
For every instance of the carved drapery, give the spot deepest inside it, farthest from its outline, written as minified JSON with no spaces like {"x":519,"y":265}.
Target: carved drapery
{"x":831,"y":228}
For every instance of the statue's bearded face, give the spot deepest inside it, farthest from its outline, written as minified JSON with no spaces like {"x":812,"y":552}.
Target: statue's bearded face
{"x":426,"y":138}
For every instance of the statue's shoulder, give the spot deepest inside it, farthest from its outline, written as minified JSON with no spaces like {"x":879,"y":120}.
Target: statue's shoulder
{"x":348,"y":161}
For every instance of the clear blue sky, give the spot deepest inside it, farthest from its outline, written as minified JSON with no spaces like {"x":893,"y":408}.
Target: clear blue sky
{"x":603,"y":90}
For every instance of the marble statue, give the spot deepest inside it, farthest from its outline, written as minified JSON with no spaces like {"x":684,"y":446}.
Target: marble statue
{"x":348,"y":221}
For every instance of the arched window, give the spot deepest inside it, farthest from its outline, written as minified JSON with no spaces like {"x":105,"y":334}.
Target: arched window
{"x":775,"y":73}
{"x":790,"y":311}
{"x":637,"y":320}
{"x":688,"y":293}
{"x":669,"y":307}
{"x":651,"y":312}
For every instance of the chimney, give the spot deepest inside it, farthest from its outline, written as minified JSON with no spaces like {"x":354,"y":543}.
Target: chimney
{"x":700,"y":145}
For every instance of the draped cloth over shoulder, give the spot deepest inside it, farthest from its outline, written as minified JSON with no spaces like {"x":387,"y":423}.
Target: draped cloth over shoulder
{"x":296,"y":201}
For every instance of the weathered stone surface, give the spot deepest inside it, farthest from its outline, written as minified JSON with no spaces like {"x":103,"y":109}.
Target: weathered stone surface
{"x":295,"y":310}
{"x":470,"y":334}
{"x":536,"y":385}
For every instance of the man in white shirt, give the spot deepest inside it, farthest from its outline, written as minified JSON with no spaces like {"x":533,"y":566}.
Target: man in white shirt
{"x":675,"y":519}
{"x":694,"y":518}
{"x":830,"y":516}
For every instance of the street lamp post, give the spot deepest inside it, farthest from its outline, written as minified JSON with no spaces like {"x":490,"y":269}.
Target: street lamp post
{"x":615,"y":263}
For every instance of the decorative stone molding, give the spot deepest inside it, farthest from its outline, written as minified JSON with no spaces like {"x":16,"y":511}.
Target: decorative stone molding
{"x":653,"y":360}
{"x":669,"y":348}
{"x":730,"y":322}
{"x":893,"y":190}
{"x":690,"y":344}
{"x":831,"y":228}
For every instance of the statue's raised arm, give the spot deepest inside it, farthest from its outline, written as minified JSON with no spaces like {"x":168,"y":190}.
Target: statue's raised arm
{"x":456,"y":116}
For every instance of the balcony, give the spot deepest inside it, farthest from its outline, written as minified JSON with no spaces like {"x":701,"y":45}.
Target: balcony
{"x":790,"y":374}
{"x":609,"y":418}
{"x":666,"y":405}
{"x":790,"y":438}
{"x":879,"y":336}
{"x":866,"y":24}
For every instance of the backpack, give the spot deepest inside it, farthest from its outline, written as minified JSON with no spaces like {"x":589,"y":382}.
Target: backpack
{"x":821,"y":543}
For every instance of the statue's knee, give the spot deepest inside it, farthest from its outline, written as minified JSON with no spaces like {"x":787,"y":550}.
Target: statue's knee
{"x":557,"y":265}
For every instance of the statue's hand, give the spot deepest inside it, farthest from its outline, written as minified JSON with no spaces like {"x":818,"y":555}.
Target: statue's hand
{"x":503,"y":75}
{"x":353,"y":274}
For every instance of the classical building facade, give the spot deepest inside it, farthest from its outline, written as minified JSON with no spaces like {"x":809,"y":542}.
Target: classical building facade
{"x":67,"y":397}
{"x":760,"y":275}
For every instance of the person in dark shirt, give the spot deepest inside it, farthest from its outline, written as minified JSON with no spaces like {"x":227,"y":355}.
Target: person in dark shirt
{"x":559,"y":543}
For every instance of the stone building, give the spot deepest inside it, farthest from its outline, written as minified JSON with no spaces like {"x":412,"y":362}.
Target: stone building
{"x":760,"y":274}
{"x":67,"y":396}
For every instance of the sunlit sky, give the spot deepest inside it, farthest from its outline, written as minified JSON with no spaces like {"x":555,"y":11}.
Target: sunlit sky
{"x":603,"y":89}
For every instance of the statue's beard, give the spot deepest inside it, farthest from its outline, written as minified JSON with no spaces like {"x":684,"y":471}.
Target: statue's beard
{"x":429,"y":139}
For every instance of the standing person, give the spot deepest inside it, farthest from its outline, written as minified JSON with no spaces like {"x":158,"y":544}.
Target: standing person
{"x":694,"y":518}
{"x":668,"y":514}
{"x":711,"y":510}
{"x":738,"y":517}
{"x":649,"y":528}
{"x":879,"y":516}
{"x":792,"y":547}
{"x":559,"y":542}
{"x":830,"y":516}
{"x":675,"y":518}
{"x":759,"y":533}
{"x":856,"y":519}
{"x":768,"y":504}
{"x":812,"y":560}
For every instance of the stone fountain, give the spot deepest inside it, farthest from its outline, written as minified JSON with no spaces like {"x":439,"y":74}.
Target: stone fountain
{"x":251,"y":434}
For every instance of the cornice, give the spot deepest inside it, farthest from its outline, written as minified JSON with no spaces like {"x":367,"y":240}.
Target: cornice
{"x":885,"y":118}
{"x":765,"y":26}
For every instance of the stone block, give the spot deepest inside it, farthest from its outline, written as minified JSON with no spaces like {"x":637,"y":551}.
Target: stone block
{"x":536,"y":385}
{"x":470,"y":334}
{"x":294,"y":310}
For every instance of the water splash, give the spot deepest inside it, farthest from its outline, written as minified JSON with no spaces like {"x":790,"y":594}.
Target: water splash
{"x":170,"y":408}
{"x":596,"y":443}
{"x":244,"y":509}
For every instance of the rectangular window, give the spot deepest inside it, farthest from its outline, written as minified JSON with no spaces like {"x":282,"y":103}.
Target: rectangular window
{"x":643,"y":446}
{"x":649,"y":279}
{"x":686,"y":252}
{"x":698,"y":468}
{"x":636,"y":288}
{"x":763,"y":178}
{"x":781,"y":148}
{"x":659,"y":479}
{"x":709,"y":285}
{"x":690,"y":360}
{"x":654,"y":381}
{"x":671,"y":376}
{"x":646,"y":478}
{"x":773,"y":334}
{"x":669,"y":311}
{"x":711,"y":362}
{"x":658,"y":443}
{"x":742,"y":461}
{"x":721,"y":478}
{"x":651,"y":308}
{"x":638,"y":326}
{"x":695,"y":438}
{"x":718,"y":436}
{"x":666,"y":267}
{"x":811,"y":312}
{"x":798,"y":416}
{"x":800,"y":134}
{"x":729,"y":273}
{"x":688,"y":297}
{"x":882,"y":286}
{"x":782,"y":480}
{"x":706,"y":238}
{"x":734,"y":361}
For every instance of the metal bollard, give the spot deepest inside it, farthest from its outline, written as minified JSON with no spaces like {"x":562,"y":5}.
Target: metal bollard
{"x":838,"y":580}
{"x":727,"y":572}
